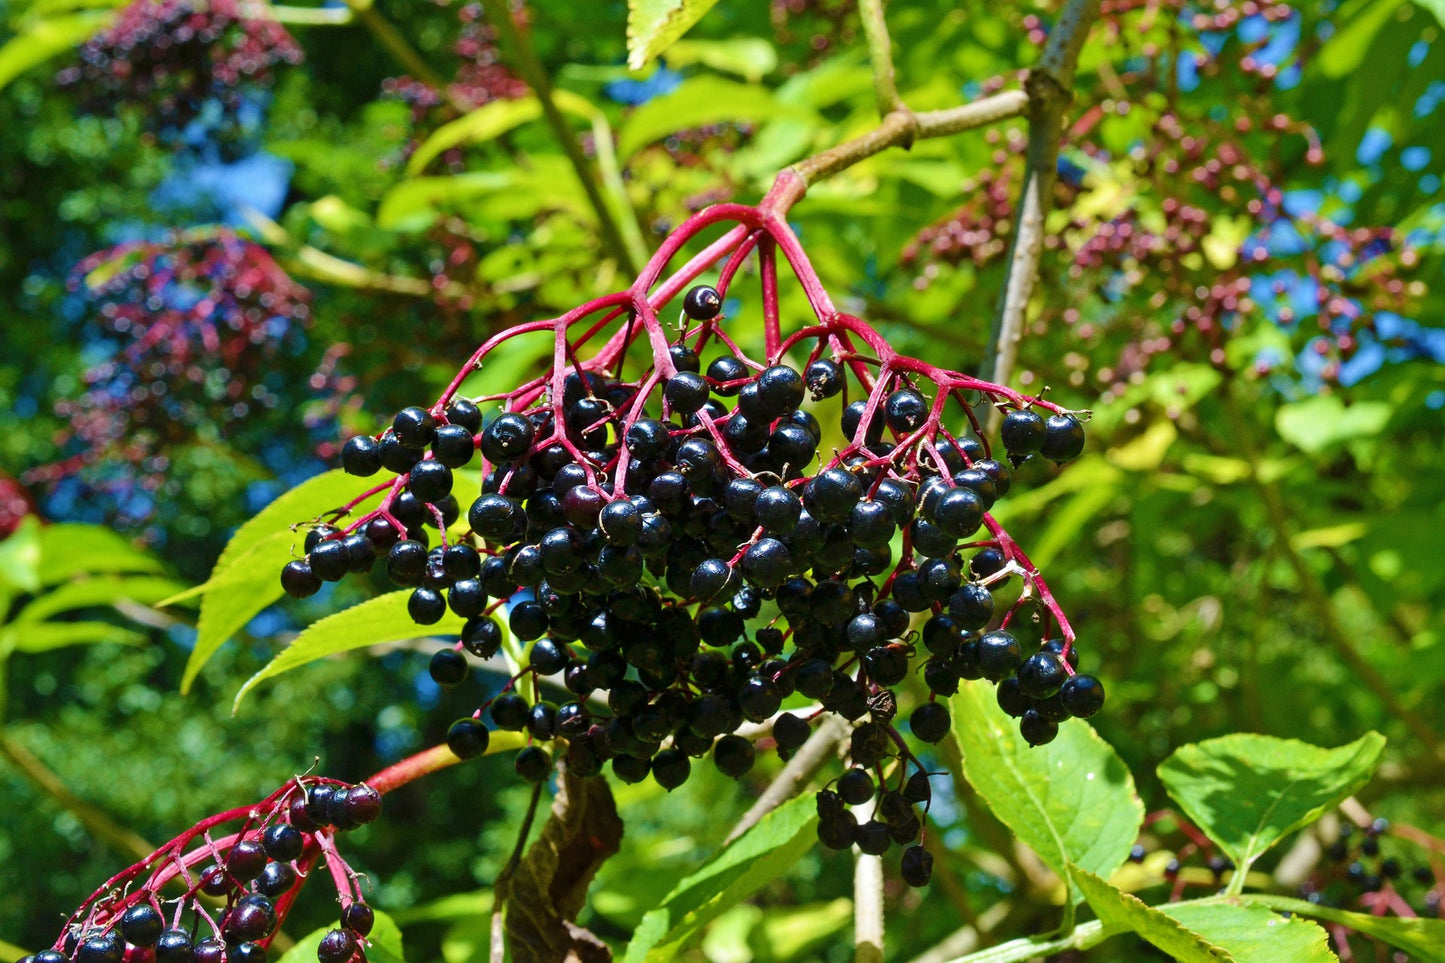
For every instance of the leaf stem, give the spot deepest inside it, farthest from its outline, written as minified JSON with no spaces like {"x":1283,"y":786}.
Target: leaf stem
{"x":532,"y":71}
{"x":1048,"y":88}
{"x":880,"y":51}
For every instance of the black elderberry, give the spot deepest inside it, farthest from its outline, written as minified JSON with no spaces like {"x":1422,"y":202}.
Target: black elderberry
{"x":766,"y":563}
{"x":824,"y":378}
{"x":528,"y":621}
{"x":837,"y":830}
{"x":958,"y":512}
{"x":1082,"y":695}
{"x":855,"y":786}
{"x":917,"y":866}
{"x":1022,"y":432}
{"x":1063,"y":438}
{"x":971,"y":606}
{"x":211,"y":950}
{"x":871,"y":524}
{"x":465,"y":414}
{"x":467,"y":738}
{"x":298,"y":580}
{"x":711,"y":577}
{"x":509,"y":712}
{"x":448,"y":668}
{"x":886,"y":665}
{"x":905,"y":410}
{"x":940,"y":677}
{"x":792,"y":445}
{"x":542,"y":721}
{"x":337,"y":946}
{"x":759,"y":698}
{"x":142,"y":924}
{"x":426,"y":606}
{"x":275,"y":879}
{"x":318,"y":804}
{"x":733,"y":755}
{"x":174,"y":946}
{"x":1036,"y":729}
{"x":49,"y":956}
{"x":670,"y":768}
{"x":814,"y":679}
{"x":868,"y":744}
{"x":999,"y":655}
{"x":777,"y":509}
{"x":1041,"y":675}
{"x":573,"y":719}
{"x":361,"y":456}
{"x":430,"y":480}
{"x":831,"y":602}
{"x":507,"y":438}
{"x":281,"y":842}
{"x":453,"y":446}
{"x":790,"y":731}
{"x":246,"y":860}
{"x":396,"y":457}
{"x":726,"y":368}
{"x":1011,"y":698}
{"x":102,"y":948}
{"x":248,"y":922}
{"x":917,"y":788}
{"x":873,"y":838}
{"x":938,"y":578}
{"x":548,"y":656}
{"x":853,"y":418}
{"x":246,"y":953}
{"x":414,"y":427}
{"x":686,"y":392}
{"x":831,"y":494}
{"x":864,"y":631}
{"x":702,"y":302}
{"x":406,"y":562}
{"x":930,"y":721}
{"x":998,"y":471}
{"x":329,"y":560}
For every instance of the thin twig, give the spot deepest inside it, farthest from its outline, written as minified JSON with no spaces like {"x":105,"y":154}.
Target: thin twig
{"x":867,"y":900}
{"x":532,"y":71}
{"x":1048,"y":87}
{"x":880,"y":51}
{"x":389,"y":37}
{"x":499,"y":901}
{"x":820,"y":747}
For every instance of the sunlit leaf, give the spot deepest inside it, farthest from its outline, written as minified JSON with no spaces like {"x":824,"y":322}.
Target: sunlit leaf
{"x":653,"y":25}
{"x":1119,"y":910}
{"x":1253,"y":934}
{"x":43,"y":39}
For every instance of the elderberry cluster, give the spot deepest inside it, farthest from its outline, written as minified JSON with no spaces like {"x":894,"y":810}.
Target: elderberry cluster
{"x":685,"y":545}
{"x":235,"y":888}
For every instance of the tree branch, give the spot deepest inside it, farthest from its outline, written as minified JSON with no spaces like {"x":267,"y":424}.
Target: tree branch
{"x":532,"y":71}
{"x":880,"y":51}
{"x":821,"y":746}
{"x":867,"y":900}
{"x":1048,"y":88}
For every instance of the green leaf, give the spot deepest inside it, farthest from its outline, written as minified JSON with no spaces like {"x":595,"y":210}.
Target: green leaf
{"x":20,"y":557}
{"x":653,"y":26}
{"x":45,"y":636}
{"x":1344,"y":52}
{"x":1423,"y":939}
{"x":383,"y":945}
{"x":700,"y":101}
{"x":43,"y":39}
{"x":755,"y":858}
{"x":751,"y":58}
{"x":1321,"y":422}
{"x":73,"y":549}
{"x":1253,"y":934}
{"x":485,"y":123}
{"x":90,"y":592}
{"x":1119,"y":910}
{"x":1072,"y":800}
{"x":382,"y":619}
{"x":247,"y":577}
{"x":1247,"y":791}
{"x":1437,"y":7}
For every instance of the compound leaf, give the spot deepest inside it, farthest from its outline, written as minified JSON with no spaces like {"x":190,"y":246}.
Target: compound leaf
{"x":1072,"y":800}
{"x":1253,"y":934}
{"x":1246,"y":791}
{"x":1119,"y":910}
{"x":1423,"y":939}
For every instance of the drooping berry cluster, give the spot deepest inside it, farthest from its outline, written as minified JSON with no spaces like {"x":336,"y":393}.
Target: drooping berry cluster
{"x":174,"y":57}
{"x":210,"y":898}
{"x":693,"y":535}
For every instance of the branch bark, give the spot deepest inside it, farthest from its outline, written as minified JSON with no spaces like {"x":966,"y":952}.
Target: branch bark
{"x":880,"y":51}
{"x":867,"y":900}
{"x":1048,"y":88}
{"x":819,"y":748}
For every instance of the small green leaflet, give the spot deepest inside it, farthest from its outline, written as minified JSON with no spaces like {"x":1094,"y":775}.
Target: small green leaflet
{"x":382,"y":619}
{"x":1072,"y":801}
{"x":1120,"y":911}
{"x":1248,"y":791}
{"x":703,"y":100}
{"x":485,"y":123}
{"x":761,"y":854}
{"x":653,"y":26}
{"x":247,"y":576}
{"x":1253,"y":934}
{"x":1423,"y":939}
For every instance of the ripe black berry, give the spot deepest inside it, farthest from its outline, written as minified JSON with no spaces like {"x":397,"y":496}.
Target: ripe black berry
{"x":1022,"y":432}
{"x":414,"y":427}
{"x":465,"y":414}
{"x":281,"y":842}
{"x":363,"y":804}
{"x":361,"y":456}
{"x":246,"y":860}
{"x":831,"y":495}
{"x":337,"y":946}
{"x":174,"y":946}
{"x":468,"y":738}
{"x":702,"y":303}
{"x":275,"y":879}
{"x":298,"y":581}
{"x":1041,"y":675}
{"x":767,"y":563}
{"x":448,"y":668}
{"x":917,"y":866}
{"x":930,"y":721}
{"x":999,"y":655}
{"x":959,"y":512}
{"x":533,"y":764}
{"x":855,"y":786}
{"x":142,"y":924}
{"x":725,"y":368}
{"x":733,"y":755}
{"x":670,"y":768}
{"x":905,"y":410}
{"x":873,"y":838}
{"x":1063,"y":438}
{"x":507,"y":439}
{"x":685,"y":392}
{"x":453,"y":446}
{"x":103,"y":948}
{"x":1036,"y":729}
{"x":426,"y":606}
{"x":1083,"y":695}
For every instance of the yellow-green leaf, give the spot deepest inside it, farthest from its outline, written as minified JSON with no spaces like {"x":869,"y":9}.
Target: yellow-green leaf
{"x":43,"y":39}
{"x":486,"y":122}
{"x":1120,"y":911}
{"x":654,"y":25}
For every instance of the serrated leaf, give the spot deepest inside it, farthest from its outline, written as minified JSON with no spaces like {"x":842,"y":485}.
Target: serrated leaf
{"x":47,"y":38}
{"x":383,"y":945}
{"x":1120,"y":911}
{"x":247,"y":576}
{"x":382,"y":619}
{"x":760,"y":855}
{"x":1253,"y":934}
{"x":71,"y":549}
{"x":1422,"y":938}
{"x":485,"y":123}
{"x":90,"y":592}
{"x":699,"y":101}
{"x":1247,"y":791}
{"x":1072,"y":800}
{"x":548,"y":888}
{"x":653,"y":26}
{"x":45,"y":636}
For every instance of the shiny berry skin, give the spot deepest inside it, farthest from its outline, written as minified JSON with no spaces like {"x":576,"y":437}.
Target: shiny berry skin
{"x":448,"y":668}
{"x":533,"y":764}
{"x":142,"y":925}
{"x":702,"y":303}
{"x":1023,"y":432}
{"x":246,"y":953}
{"x":337,"y":946}
{"x":103,"y":948}
{"x":210,"y":951}
{"x":971,"y":606}
{"x":959,"y":512}
{"x":363,"y":804}
{"x":780,"y":389}
{"x":766,"y":563}
{"x":361,"y":456}
{"x":855,"y":786}
{"x":838,"y":830}
{"x":282,"y":843}
{"x":430,"y":480}
{"x":831,"y":494}
{"x":174,"y":946}
{"x":726,"y":368}
{"x":453,"y":446}
{"x":426,"y":606}
{"x":1041,"y":675}
{"x":465,"y":414}
{"x":670,"y":768}
{"x":904,"y":411}
{"x":930,"y":721}
{"x":298,"y":581}
{"x":507,"y":438}
{"x":248,"y":922}
{"x":999,"y":655}
{"x":275,"y":879}
{"x":1083,"y":695}
{"x":823,"y":378}
{"x":246,"y":860}
{"x":1037,"y":730}
{"x":414,"y":427}
{"x":1063,"y":438}
{"x":733,"y":755}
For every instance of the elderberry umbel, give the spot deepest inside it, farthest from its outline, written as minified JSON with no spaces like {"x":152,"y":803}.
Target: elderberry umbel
{"x":218,"y":892}
{"x":689,"y":533}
